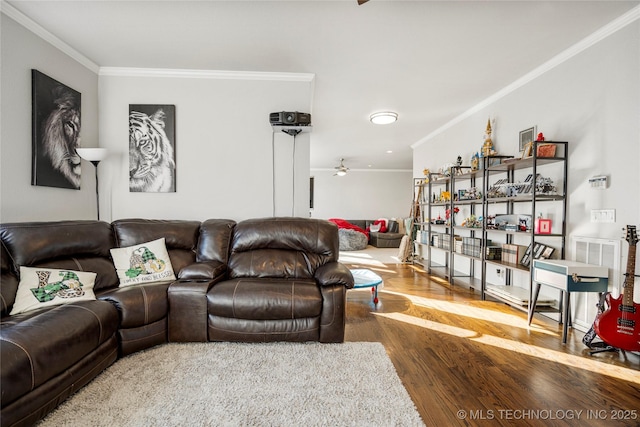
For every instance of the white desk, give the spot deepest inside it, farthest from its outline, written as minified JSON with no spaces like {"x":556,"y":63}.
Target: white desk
{"x":567,"y":276}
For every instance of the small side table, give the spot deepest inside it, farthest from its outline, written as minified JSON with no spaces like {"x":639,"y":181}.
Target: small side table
{"x":567,"y":276}
{"x":364,"y":278}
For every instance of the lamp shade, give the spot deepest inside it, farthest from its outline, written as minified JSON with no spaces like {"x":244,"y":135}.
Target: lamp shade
{"x":92,"y":154}
{"x":383,"y":117}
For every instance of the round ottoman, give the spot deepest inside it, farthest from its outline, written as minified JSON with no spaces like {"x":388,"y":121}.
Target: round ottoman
{"x":352,"y":240}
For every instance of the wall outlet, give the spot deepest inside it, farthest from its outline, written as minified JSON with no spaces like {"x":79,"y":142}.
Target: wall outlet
{"x":603,"y":215}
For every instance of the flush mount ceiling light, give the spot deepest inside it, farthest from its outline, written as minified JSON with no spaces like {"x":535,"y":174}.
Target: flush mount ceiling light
{"x":383,"y":117}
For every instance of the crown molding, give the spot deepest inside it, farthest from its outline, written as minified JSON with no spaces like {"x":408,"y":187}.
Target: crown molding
{"x":601,"y":34}
{"x":361,"y":170}
{"x":44,"y":34}
{"x":206,"y":74}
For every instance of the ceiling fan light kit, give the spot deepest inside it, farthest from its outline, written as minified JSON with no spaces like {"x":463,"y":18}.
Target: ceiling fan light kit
{"x":383,"y":117}
{"x":341,"y":170}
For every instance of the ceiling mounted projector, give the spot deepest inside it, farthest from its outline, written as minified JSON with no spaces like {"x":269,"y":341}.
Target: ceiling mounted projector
{"x":290,"y":118}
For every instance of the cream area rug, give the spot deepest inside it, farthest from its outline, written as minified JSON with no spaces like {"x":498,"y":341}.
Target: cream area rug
{"x":241,"y":384}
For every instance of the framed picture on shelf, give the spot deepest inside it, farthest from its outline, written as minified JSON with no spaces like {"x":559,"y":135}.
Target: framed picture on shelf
{"x":527,"y":136}
{"x":548,"y":251}
{"x":526,"y":258}
{"x":546,"y":150}
{"x":528,"y":150}
{"x":538,"y":249}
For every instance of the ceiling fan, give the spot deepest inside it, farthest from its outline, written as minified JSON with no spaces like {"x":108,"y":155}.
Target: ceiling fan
{"x":361,"y":2}
{"x":341,"y":170}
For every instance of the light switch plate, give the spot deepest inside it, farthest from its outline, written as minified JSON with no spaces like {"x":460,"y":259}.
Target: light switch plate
{"x":603,"y":215}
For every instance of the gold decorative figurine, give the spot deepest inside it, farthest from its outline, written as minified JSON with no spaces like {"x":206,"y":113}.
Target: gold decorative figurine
{"x":487,"y":147}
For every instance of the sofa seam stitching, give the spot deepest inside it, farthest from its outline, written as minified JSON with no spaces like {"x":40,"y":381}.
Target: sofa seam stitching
{"x":146,"y":305}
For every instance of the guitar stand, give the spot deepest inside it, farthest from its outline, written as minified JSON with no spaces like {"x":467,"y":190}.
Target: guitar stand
{"x":603,"y":349}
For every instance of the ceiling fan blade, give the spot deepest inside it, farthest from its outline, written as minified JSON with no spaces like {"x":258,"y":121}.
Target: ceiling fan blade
{"x":361,"y":2}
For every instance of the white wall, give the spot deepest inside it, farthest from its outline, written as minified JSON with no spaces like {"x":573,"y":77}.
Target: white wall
{"x":362,"y":194}
{"x":592,"y":100}
{"x":22,"y":51}
{"x":225,"y":160}
{"x":223,"y":145}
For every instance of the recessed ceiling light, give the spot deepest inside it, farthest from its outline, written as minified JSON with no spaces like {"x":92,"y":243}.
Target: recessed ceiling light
{"x":389,"y":151}
{"x":383,"y":117}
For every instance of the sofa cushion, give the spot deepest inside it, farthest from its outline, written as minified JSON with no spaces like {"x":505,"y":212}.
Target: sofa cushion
{"x":44,"y":287}
{"x":181,"y":237}
{"x":38,"y":345}
{"x":37,"y":242}
{"x":214,"y":240}
{"x":265,"y":299}
{"x":282,"y":247}
{"x":67,"y":245}
{"x":379,"y":225}
{"x":138,"y":305}
{"x":143,"y":263}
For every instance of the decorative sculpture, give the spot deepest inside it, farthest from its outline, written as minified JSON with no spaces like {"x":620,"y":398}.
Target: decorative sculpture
{"x":487,"y":147}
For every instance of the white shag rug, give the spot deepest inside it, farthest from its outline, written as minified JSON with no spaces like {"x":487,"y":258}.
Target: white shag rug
{"x":241,"y":384}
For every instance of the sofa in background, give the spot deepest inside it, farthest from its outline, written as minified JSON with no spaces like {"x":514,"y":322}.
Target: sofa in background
{"x":269,"y":279}
{"x":389,"y":239}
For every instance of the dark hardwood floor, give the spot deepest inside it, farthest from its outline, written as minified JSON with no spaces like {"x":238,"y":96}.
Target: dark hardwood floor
{"x":468,"y":362}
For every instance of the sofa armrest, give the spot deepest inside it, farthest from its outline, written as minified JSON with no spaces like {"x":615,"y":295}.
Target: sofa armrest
{"x":138,"y":305}
{"x":334,"y":273}
{"x":188,"y":309}
{"x":203,"y":270}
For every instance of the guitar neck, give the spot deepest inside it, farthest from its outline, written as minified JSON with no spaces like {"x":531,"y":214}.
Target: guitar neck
{"x":629,"y":279}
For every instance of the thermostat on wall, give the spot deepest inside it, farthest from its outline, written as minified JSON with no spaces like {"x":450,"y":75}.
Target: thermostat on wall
{"x":598,"y":182}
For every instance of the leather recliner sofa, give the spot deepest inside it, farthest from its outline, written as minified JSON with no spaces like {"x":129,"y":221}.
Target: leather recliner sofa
{"x":272,"y":279}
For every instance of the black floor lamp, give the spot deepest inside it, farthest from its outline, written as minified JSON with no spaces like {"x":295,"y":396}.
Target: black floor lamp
{"x":94,"y":155}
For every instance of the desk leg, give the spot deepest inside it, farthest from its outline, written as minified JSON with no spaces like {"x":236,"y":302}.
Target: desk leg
{"x":532,"y":303}
{"x":566,"y":309}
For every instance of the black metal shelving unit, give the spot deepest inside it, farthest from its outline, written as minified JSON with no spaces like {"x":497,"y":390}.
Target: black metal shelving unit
{"x":519,"y":297}
{"x":442,"y":237}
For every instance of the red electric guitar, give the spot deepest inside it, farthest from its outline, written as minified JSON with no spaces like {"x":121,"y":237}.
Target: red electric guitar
{"x":619,"y":324}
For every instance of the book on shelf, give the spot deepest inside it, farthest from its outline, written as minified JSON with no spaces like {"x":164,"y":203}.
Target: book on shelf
{"x":513,"y":254}
{"x":494,"y":253}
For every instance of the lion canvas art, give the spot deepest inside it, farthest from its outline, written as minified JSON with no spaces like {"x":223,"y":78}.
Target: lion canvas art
{"x":56,"y":133}
{"x":152,"y":165}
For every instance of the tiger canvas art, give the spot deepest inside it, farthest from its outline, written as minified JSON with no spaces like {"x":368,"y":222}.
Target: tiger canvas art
{"x":56,"y":133}
{"x":152,"y":164}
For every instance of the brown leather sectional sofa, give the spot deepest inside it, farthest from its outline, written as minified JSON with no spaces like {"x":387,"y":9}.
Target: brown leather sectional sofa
{"x":271,"y":279}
